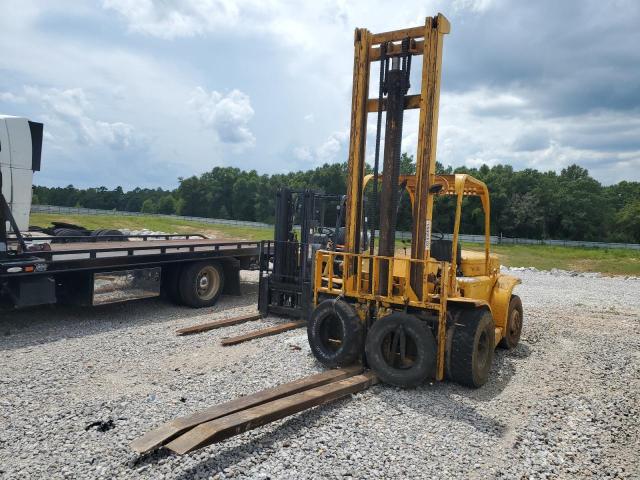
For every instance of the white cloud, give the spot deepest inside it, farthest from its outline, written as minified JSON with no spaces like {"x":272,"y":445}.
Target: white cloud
{"x":68,"y":110}
{"x":469,"y":136}
{"x":327,"y":152}
{"x":495,"y":104}
{"x":185,"y":18}
{"x":303,"y":154}
{"x":11,"y":98}
{"x":474,"y":5}
{"x":228,"y":115}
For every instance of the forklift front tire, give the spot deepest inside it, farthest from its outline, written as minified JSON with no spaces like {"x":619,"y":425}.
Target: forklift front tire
{"x":401,"y":350}
{"x":335,"y":334}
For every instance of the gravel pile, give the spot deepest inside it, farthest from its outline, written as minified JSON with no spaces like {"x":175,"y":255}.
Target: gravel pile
{"x":79,"y":384}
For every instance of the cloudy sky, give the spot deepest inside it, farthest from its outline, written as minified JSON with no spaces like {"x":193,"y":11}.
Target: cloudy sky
{"x":141,"y":92}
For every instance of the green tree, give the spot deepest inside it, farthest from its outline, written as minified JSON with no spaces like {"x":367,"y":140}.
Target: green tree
{"x":148,"y":206}
{"x":627,"y":222}
{"x":167,"y":205}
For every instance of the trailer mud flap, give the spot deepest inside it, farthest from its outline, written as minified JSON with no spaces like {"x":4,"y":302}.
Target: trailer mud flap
{"x":231,"y":269}
{"x":29,"y":292}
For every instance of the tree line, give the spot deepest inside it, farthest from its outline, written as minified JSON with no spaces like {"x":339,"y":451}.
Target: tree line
{"x":528,"y":203}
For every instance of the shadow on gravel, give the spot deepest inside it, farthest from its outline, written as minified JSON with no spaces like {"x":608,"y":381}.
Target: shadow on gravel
{"x":442,"y":400}
{"x":505,"y":365}
{"x":223,"y":457}
{"x":40,"y":325}
{"x":452,"y":401}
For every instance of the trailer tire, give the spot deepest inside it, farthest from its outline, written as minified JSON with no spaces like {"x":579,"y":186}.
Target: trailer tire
{"x":471,"y":346}
{"x":514,"y":324}
{"x":419,"y":348}
{"x":330,"y":319}
{"x":201,"y":284}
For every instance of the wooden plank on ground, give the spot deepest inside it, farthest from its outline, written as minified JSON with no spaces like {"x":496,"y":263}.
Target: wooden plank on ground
{"x":242,"y":421}
{"x":263,"y":332}
{"x":175,"y":427}
{"x":226,"y":322}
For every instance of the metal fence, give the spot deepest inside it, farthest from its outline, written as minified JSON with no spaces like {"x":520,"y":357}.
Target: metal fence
{"x":495,"y":239}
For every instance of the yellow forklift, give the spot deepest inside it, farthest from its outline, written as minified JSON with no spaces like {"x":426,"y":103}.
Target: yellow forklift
{"x":378,"y":314}
{"x":440,"y":311}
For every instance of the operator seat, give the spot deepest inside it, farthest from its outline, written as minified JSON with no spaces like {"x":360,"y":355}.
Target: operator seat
{"x":441,"y":250}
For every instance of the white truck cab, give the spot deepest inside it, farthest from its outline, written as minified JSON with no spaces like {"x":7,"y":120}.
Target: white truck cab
{"x":20,"y":153}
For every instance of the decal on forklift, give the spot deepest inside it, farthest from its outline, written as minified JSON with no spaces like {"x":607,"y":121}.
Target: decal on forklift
{"x":427,"y":236}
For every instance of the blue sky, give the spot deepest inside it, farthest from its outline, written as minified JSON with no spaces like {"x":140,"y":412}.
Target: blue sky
{"x":141,"y":92}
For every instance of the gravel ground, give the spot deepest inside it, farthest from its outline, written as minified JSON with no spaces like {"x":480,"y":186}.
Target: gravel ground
{"x":564,"y":404}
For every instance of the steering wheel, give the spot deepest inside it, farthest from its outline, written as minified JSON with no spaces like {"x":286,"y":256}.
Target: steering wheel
{"x":437,"y":234}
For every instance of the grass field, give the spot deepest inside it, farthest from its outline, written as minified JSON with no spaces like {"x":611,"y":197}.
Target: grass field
{"x":543,"y":257}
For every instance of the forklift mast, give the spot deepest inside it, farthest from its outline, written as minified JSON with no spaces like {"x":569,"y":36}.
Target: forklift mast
{"x":286,"y":263}
{"x":393,"y":51}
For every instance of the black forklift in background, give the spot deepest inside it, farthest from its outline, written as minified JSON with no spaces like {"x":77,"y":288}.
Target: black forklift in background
{"x":305,"y":221}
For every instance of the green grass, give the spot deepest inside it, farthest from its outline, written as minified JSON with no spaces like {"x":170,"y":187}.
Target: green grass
{"x":543,"y":257}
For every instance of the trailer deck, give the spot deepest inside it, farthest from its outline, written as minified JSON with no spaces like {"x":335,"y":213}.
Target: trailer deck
{"x":42,"y":270}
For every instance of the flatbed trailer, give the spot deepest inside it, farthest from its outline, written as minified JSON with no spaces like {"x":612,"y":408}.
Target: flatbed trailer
{"x":188,"y":269}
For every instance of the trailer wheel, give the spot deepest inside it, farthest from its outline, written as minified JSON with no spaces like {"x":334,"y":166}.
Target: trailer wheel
{"x":401,"y":350}
{"x":335,"y":334}
{"x":201,"y":284}
{"x":471,"y":349}
{"x":514,"y":324}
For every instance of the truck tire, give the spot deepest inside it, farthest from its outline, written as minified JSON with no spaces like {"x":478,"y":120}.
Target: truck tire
{"x":201,"y":284}
{"x":514,"y":324}
{"x":401,"y":350}
{"x":117,"y":235}
{"x":471,"y":344}
{"x":335,"y":334}
{"x":68,"y":232}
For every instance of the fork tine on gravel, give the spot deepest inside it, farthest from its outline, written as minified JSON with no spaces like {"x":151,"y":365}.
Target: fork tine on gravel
{"x":248,"y":419}
{"x":172,"y":429}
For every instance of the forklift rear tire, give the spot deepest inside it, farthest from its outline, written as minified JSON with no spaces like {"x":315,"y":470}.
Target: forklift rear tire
{"x":201,"y":284}
{"x":335,"y":334}
{"x":401,"y":350}
{"x":514,"y":324}
{"x":472,"y":342}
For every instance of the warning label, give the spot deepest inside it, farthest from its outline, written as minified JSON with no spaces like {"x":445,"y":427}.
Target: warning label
{"x":427,"y":236}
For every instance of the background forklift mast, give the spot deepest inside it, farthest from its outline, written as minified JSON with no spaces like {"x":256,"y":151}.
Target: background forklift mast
{"x":305,"y":221}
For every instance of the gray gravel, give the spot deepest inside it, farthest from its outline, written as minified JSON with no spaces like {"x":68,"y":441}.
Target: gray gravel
{"x":564,"y":404}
